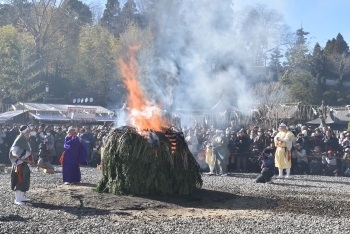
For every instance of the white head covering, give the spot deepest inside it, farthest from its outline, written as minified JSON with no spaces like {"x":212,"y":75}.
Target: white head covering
{"x":23,"y":129}
{"x":283,"y":125}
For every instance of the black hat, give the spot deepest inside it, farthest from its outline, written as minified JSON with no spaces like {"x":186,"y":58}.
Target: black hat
{"x":267,"y":151}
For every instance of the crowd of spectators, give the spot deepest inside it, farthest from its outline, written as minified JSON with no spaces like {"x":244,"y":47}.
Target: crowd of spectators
{"x":47,"y":142}
{"x":319,"y":151}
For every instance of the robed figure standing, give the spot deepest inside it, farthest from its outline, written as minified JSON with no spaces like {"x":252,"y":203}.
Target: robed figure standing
{"x":283,"y":142}
{"x":21,"y":156}
{"x":75,"y":153}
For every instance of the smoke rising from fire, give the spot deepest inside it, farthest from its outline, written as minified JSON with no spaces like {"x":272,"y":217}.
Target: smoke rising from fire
{"x":199,"y":40}
{"x":198,"y":55}
{"x":202,"y":52}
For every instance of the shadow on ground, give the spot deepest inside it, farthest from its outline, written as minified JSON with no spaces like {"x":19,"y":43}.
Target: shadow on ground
{"x":210,"y":199}
{"x":80,"y":211}
{"x":13,"y":218}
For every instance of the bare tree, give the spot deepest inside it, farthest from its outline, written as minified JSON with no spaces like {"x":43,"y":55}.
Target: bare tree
{"x":263,"y":29}
{"x":269,"y":98}
{"x":37,"y":18}
{"x":339,"y":64}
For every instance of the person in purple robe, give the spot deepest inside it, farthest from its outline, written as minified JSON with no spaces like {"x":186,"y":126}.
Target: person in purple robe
{"x":75,"y":153}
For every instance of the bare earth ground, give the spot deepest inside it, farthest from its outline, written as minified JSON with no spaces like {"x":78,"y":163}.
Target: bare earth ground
{"x":221,"y":198}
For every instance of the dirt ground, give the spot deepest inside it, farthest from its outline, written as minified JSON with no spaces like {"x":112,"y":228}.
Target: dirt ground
{"x":203,"y":204}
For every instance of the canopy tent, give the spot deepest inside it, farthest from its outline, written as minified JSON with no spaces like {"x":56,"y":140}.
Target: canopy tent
{"x":337,"y":118}
{"x":51,"y":117}
{"x":44,"y":112}
{"x":12,"y":116}
{"x":223,"y":105}
{"x":317,"y":121}
{"x":59,"y":107}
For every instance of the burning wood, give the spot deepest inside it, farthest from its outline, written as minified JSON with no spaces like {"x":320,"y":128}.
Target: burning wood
{"x":153,"y":161}
{"x":157,"y":163}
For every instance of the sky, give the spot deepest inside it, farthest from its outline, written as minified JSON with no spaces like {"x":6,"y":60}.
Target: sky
{"x":323,"y":19}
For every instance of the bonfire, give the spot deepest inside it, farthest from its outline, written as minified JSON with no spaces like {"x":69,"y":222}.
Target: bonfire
{"x":147,"y":157}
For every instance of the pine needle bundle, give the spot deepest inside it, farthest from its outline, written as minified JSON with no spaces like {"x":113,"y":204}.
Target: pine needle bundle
{"x":139,"y":165}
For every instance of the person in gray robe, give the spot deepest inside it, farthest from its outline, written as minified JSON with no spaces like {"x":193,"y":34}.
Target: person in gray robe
{"x":21,"y":156}
{"x":220,"y":149}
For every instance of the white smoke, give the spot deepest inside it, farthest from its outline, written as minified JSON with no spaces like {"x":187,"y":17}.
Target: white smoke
{"x":200,"y":50}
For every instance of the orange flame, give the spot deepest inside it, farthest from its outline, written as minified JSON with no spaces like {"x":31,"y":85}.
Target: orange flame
{"x":142,"y":114}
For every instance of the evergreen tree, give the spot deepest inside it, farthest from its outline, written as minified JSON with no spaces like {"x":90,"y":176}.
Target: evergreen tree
{"x":17,"y":75}
{"x":340,"y":45}
{"x":302,"y":85}
{"x":80,"y":11}
{"x":298,"y":56}
{"x":275,"y":62}
{"x":298,"y":75}
{"x":318,"y":62}
{"x":128,"y":16}
{"x":110,"y":16}
{"x":329,"y":48}
{"x":337,"y":59}
{"x":336,"y":46}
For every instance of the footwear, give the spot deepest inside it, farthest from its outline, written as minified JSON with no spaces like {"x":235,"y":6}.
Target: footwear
{"x":288,"y":177}
{"x":279,"y":177}
{"x":17,"y":198}
{"x":23,"y":198}
{"x":66,"y":183}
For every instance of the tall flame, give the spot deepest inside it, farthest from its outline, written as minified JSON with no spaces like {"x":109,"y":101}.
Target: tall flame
{"x":142,"y":114}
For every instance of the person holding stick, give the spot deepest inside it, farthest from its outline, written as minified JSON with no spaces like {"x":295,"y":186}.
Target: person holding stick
{"x":21,"y":156}
{"x":283,"y":158}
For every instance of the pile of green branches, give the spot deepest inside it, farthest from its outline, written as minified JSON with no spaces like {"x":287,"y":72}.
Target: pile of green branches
{"x":139,"y":165}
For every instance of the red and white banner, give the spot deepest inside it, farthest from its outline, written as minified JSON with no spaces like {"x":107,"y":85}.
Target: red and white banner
{"x":81,"y":113}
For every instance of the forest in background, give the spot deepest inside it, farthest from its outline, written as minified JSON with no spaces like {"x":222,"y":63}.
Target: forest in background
{"x":65,"y":46}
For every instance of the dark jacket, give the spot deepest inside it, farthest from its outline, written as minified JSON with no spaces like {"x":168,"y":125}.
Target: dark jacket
{"x":243,"y":145}
{"x":44,"y":153}
{"x":268,"y":163}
